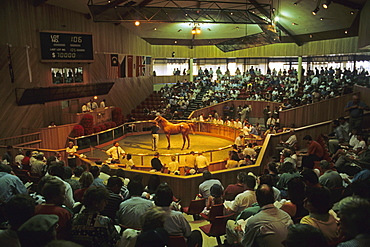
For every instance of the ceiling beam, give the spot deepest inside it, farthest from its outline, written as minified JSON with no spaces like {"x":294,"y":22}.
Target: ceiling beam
{"x":110,"y":5}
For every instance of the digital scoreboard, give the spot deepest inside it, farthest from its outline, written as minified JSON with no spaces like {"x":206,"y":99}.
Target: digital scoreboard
{"x":59,"y":46}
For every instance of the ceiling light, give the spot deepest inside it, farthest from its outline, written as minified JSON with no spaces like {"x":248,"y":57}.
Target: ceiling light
{"x":295,"y":4}
{"x":277,"y":18}
{"x":179,"y":30}
{"x":321,"y":19}
{"x":314,"y":12}
{"x":311,"y":36}
{"x":193,"y":31}
{"x":137,"y":23}
{"x":294,"y":24}
{"x":198,"y":31}
{"x":326,"y":4}
{"x":346,"y":32}
{"x":209,"y":29}
{"x":155,"y":29}
{"x":352,"y":12}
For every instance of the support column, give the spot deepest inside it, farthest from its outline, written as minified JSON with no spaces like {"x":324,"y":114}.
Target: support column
{"x":191,"y":77}
{"x":299,"y":69}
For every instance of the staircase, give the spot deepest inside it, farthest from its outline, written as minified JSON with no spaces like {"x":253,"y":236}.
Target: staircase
{"x":195,"y":104}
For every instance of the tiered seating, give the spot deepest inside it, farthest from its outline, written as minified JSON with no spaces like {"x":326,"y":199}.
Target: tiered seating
{"x":153,"y":101}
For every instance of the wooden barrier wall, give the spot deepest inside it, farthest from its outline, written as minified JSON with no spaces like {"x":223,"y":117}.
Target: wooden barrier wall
{"x":316,"y":112}
{"x":170,"y":79}
{"x":55,"y":137}
{"x":257,"y":107}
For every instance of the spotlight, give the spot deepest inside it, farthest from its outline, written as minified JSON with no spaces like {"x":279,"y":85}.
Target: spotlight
{"x":321,"y":19}
{"x":311,"y":36}
{"x":193,"y":31}
{"x":295,"y":4}
{"x":198,"y":31}
{"x":352,"y":12}
{"x":346,"y":32}
{"x":155,"y":29}
{"x":179,"y":30}
{"x":326,"y":4}
{"x":314,"y":12}
{"x":137,"y":23}
{"x":277,"y":18}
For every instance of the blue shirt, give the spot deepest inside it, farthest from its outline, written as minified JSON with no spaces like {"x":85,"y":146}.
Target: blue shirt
{"x":10,"y":185}
{"x":356,"y":113}
{"x":362,"y":175}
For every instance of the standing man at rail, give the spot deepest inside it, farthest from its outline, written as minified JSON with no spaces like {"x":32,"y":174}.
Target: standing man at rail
{"x":155,"y":136}
{"x":116,"y":152}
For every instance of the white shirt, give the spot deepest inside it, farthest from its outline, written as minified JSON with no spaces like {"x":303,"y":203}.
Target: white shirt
{"x":201,"y":161}
{"x":115,"y":152}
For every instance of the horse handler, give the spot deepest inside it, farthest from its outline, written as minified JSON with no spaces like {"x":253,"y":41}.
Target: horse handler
{"x":155,"y":136}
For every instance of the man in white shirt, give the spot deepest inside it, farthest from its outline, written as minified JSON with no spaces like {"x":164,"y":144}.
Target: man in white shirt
{"x":116,"y":153}
{"x":244,"y":199}
{"x":201,"y":163}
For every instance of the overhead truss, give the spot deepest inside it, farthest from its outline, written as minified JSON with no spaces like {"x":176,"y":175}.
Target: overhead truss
{"x":175,"y":11}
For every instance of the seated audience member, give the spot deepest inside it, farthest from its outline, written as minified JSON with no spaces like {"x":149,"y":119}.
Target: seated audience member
{"x":354,"y":213}
{"x":121,"y":174}
{"x":132,"y":209}
{"x":244,"y":199}
{"x":38,"y":166}
{"x":18,"y":210}
{"x":173,"y":166}
{"x":38,"y":230}
{"x":344,"y":163}
{"x":26,"y":161}
{"x":37,"y":195}
{"x":58,"y":172}
{"x":310,"y":178}
{"x":153,"y":183}
{"x":95,"y":171}
{"x":267,"y":179}
{"x":233,"y":160}
{"x":77,"y":172}
{"x":270,"y":130}
{"x":10,"y":185}
{"x":303,"y":235}
{"x":288,"y":156}
{"x":90,"y":228}
{"x":234,"y":189}
{"x":85,"y":181}
{"x":19,"y":157}
{"x":273,"y":172}
{"x":156,"y":163}
{"x":104,"y":173}
{"x":204,"y":188}
{"x":75,"y":185}
{"x":250,"y":151}
{"x":114,"y":186}
{"x":294,"y":206}
{"x":330,"y":178}
{"x":315,"y":152}
{"x":318,"y":203}
{"x":54,"y":193}
{"x":269,"y":227}
{"x":129,"y":162}
{"x":175,"y":223}
{"x":240,"y":141}
{"x":214,"y":199}
{"x":153,"y":232}
{"x":288,"y":172}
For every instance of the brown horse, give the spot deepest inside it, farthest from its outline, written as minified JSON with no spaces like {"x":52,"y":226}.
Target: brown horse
{"x":170,"y":128}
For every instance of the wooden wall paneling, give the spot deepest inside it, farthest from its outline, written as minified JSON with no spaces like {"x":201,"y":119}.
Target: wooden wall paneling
{"x":315,"y":113}
{"x":323,"y":47}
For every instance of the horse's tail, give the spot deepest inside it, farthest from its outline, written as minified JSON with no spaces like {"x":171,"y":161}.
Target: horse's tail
{"x":192,"y":127}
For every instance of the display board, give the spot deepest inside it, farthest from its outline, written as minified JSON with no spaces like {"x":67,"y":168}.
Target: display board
{"x":57,"y":46}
